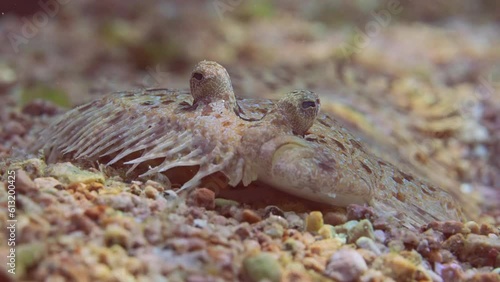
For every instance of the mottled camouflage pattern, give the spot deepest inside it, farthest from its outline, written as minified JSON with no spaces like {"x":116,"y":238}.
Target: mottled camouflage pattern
{"x":156,"y":130}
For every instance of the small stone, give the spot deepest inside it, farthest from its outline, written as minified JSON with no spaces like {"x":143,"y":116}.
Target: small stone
{"x":82,"y":222}
{"x":380,"y":236}
{"x":472,"y":226}
{"x":327,"y":231}
{"x":95,"y":186}
{"x":151,"y":192}
{"x":410,"y":238}
{"x":345,"y":265}
{"x":358,"y":212}
{"x":295,"y":272}
{"x":484,"y":277}
{"x":202,"y":197}
{"x":314,"y":263}
{"x":95,"y":212}
{"x":275,"y":219}
{"x":367,"y":255}
{"x":28,"y":255}
{"x":294,"y":220}
{"x":200,"y":223}
{"x":487,"y":229}
{"x":34,"y":167}
{"x":46,"y":183}
{"x":77,"y":187}
{"x":273,"y":210}
{"x":434,"y":276}
{"x":335,"y":218}
{"x":480,"y":251}
{"x":344,"y":228}
{"x":293,"y":246}
{"x":24,"y":184}
{"x":413,"y":256}
{"x":434,"y":256}
{"x":373,"y":275}
{"x":185,"y":245}
{"x":159,"y":187}
{"x":243,"y":232}
{"x":399,"y":268}
{"x":101,"y":272}
{"x":116,"y":234}
{"x":200,"y":278}
{"x":450,"y":272}
{"x":308,"y":238}
{"x":68,"y":173}
{"x":383,"y":223}
{"x":250,"y":216}
{"x":29,"y":205}
{"x":447,"y":256}
{"x":364,"y":228}
{"x":14,"y":128}
{"x":314,"y":221}
{"x":368,"y":244}
{"x":122,"y":274}
{"x":326,"y":247}
{"x":274,"y":230}
{"x":448,"y":228}
{"x":233,"y":212}
{"x":262,"y":266}
{"x":117,"y":200}
{"x":135,"y":189}
{"x":40,"y":107}
{"x":397,"y":246}
{"x":221,"y":203}
{"x":434,"y":238}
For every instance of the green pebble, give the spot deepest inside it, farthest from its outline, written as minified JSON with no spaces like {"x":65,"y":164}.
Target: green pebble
{"x":28,"y":255}
{"x":344,"y":228}
{"x":68,"y":173}
{"x":368,"y":244}
{"x":219,"y":202}
{"x":45,"y":92}
{"x":262,"y":266}
{"x":328,"y":231}
{"x":274,"y":230}
{"x":292,"y":246}
{"x":364,"y":228}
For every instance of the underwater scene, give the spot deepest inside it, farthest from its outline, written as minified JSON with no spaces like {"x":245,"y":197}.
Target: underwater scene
{"x":250,"y":140}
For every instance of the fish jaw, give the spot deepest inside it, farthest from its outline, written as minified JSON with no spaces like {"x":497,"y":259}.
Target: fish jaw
{"x":293,"y":166}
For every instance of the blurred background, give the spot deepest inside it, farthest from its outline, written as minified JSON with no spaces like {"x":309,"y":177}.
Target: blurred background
{"x":416,"y":80}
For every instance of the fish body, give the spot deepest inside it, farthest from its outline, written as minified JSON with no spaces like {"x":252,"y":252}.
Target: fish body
{"x":287,"y":144}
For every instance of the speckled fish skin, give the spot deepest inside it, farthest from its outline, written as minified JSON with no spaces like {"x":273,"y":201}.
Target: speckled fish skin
{"x":246,"y":140}
{"x":158,"y":124}
{"x":180,"y":128}
{"x":329,"y":165}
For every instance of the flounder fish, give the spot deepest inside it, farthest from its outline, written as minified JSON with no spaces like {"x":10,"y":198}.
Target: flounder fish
{"x":287,"y":144}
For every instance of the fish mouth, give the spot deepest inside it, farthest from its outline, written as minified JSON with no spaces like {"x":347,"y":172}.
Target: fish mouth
{"x":300,"y":169}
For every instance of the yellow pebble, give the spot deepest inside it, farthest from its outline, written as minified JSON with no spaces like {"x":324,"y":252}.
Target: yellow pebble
{"x":326,"y":247}
{"x":326,"y":231}
{"x":314,"y":221}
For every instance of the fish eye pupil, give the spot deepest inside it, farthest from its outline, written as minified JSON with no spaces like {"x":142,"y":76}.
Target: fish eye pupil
{"x":308,"y":104}
{"x":197,"y":76}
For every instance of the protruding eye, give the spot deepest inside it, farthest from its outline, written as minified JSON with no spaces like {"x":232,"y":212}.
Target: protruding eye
{"x":197,"y":76}
{"x":308,"y":104}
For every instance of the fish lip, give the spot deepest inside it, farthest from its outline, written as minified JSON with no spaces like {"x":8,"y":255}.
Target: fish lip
{"x":289,"y":156}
